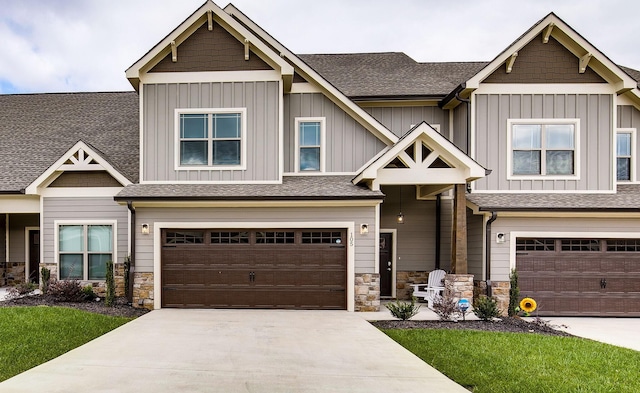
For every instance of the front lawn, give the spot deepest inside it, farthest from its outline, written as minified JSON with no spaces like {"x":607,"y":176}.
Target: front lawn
{"x":30,"y":336}
{"x":493,"y":362}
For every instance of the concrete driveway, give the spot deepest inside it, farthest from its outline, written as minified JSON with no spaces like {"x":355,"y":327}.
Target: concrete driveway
{"x":622,"y":332}
{"x":237,"y":351}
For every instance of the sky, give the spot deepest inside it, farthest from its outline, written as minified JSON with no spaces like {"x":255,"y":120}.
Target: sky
{"x":86,"y":45}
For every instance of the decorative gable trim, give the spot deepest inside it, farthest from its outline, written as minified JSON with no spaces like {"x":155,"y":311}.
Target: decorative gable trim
{"x":422,"y":157}
{"x":80,"y":157}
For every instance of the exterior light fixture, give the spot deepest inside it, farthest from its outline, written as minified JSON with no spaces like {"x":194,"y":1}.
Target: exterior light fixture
{"x":364,"y":229}
{"x":400,"y":217}
{"x":145,"y":229}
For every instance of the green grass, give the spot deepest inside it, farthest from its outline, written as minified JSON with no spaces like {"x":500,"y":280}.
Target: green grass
{"x":490,"y":362}
{"x":30,"y":336}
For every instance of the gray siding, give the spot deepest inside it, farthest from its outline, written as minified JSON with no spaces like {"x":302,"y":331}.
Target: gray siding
{"x":349,"y":144}
{"x":416,"y":237}
{"x":365,"y":245}
{"x":475,"y":244}
{"x":261,"y":99}
{"x":460,"y":125}
{"x":86,"y":209}
{"x":17,"y":223}
{"x":500,"y":257}
{"x":400,"y":119}
{"x":595,"y":114}
{"x":629,"y":117}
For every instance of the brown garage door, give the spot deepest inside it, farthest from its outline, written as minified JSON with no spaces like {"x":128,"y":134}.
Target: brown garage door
{"x":298,"y":269}
{"x":581,"y":277}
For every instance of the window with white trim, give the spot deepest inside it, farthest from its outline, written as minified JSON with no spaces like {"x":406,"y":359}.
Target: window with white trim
{"x":210,"y":137}
{"x":546,"y":148}
{"x":624,"y":155}
{"x":310,"y":136}
{"x":83,"y":251}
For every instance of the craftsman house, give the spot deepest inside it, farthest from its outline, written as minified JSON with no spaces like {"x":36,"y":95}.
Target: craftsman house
{"x":239,"y":174}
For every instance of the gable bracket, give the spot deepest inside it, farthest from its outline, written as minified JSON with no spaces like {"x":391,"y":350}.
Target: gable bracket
{"x":510,"y":62}
{"x":584,"y":61}
{"x":247,"y":44}
{"x":174,"y":52}
{"x":210,"y":20}
{"x":547,"y":33}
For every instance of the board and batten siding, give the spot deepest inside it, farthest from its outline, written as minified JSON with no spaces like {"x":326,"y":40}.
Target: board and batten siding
{"x":401,"y":119}
{"x":86,"y":210}
{"x":365,"y":245}
{"x":595,"y":112}
{"x":460,"y":136}
{"x":574,"y":227}
{"x":261,"y":100}
{"x":348,"y":144}
{"x":629,"y":117}
{"x":475,"y":245}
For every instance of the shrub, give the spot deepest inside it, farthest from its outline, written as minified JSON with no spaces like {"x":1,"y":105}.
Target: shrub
{"x":446,"y":308}
{"x":110,"y":296}
{"x":127,"y":269}
{"x":486,"y":308}
{"x":514,"y":294}
{"x":21,"y":289}
{"x":66,"y":291}
{"x":46,"y":279}
{"x":404,"y":310}
{"x":88,"y":294}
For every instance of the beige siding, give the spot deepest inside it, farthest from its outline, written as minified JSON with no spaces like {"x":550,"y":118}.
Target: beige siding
{"x":17,"y":223}
{"x":595,"y":113}
{"x":349,"y":144}
{"x":261,"y":100}
{"x":400,"y":119}
{"x":500,"y":252}
{"x":475,"y":244}
{"x":84,"y":209}
{"x":629,"y":117}
{"x":364,"y":244}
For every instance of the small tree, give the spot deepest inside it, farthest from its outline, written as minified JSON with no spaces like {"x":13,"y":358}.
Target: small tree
{"x":127,"y":269}
{"x":486,"y":308}
{"x":111,"y":287}
{"x":46,"y":279}
{"x":514,"y":294}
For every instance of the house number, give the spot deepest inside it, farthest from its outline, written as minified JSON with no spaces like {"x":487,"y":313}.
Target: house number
{"x":351,"y":239}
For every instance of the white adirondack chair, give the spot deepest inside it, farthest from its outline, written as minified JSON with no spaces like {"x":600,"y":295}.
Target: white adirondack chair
{"x":432,"y":289}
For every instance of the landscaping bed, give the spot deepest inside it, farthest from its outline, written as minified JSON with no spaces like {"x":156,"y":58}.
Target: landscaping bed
{"x":120,"y":309}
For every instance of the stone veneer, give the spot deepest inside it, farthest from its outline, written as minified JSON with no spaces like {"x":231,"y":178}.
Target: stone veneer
{"x":405,"y":279}
{"x":499,"y":290}
{"x":459,"y":286}
{"x":143,"y":290}
{"x":99,"y":287}
{"x":367,"y":296}
{"x":11,"y":273}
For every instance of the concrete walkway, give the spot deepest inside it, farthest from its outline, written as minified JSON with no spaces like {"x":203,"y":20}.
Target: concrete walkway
{"x":237,"y":351}
{"x":623,"y":332}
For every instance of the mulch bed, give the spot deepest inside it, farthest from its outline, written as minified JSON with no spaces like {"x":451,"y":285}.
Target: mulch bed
{"x":512,"y":325}
{"x":120,"y":309}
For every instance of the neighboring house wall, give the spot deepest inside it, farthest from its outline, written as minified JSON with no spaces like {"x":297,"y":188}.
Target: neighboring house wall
{"x":475,"y":245}
{"x":590,"y":227}
{"x":262,"y":102}
{"x":460,"y":134}
{"x":595,"y":113}
{"x":400,"y":119}
{"x":17,"y":224}
{"x":348,"y":144}
{"x":365,"y":244}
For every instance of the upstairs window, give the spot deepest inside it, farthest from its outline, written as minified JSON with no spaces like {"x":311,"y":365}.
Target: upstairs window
{"x":310,"y":144}
{"x":210,"y":138}
{"x":543,"y":148}
{"x":624,"y":154}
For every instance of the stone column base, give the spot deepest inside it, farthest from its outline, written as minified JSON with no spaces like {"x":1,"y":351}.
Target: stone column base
{"x":367,"y":287}
{"x":459,"y":286}
{"x":499,"y":291}
{"x":143,"y":290}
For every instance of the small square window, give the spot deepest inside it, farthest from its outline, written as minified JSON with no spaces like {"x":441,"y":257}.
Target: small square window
{"x":84,"y":250}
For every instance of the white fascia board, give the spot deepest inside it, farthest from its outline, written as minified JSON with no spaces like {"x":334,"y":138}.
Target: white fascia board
{"x":20,"y":204}
{"x":361,"y":116}
{"x":58,"y":165}
{"x":134,"y":71}
{"x":257,"y":203}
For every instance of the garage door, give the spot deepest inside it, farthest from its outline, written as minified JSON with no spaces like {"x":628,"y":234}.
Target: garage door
{"x":588,"y":277}
{"x":297,"y":269}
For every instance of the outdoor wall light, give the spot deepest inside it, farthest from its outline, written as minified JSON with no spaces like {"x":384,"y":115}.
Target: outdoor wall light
{"x":364,"y":229}
{"x":145,"y":229}
{"x":500,"y":237}
{"x":400,"y":218}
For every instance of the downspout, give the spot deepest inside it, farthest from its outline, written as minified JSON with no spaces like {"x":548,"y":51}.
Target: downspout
{"x":438,"y":228}
{"x":468,"y":102}
{"x":493,"y":217}
{"x":132,"y":257}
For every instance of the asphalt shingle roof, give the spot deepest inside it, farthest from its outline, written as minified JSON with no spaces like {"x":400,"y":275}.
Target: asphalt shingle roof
{"x":292,"y":188}
{"x":37,"y":129}
{"x":627,"y":197}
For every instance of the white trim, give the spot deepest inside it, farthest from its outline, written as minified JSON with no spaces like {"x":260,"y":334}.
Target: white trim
{"x":544,"y":191}
{"x":211,"y":76}
{"x":280,"y":130}
{"x":210,"y":111}
{"x":211,"y":181}
{"x":141,"y":132}
{"x":394,"y":251}
{"x":626,"y":100}
{"x":20,"y":204}
{"x":84,"y":223}
{"x":6,"y":237}
{"x":550,"y":88}
{"x":160,"y":225}
{"x":80,"y":192}
{"x":259,"y":203}
{"x":298,"y":88}
{"x":314,"y":173}
{"x":514,"y":235}
{"x":27,"y":254}
{"x":323,"y":142}
{"x":634,"y":153}
{"x":542,"y":176}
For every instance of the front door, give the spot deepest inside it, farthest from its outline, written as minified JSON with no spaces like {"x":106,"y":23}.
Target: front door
{"x":386,"y":264}
{"x":34,"y":255}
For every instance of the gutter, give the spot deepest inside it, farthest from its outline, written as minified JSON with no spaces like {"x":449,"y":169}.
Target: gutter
{"x":487,"y":239}
{"x":132,"y":256}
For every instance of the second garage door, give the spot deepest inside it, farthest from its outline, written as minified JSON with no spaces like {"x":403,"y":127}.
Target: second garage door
{"x":212,"y":268}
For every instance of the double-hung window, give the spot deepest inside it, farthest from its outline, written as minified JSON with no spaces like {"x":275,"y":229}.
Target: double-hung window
{"x":310,"y":136}
{"x":83,"y":250}
{"x":543,"y":148}
{"x":625,"y":151}
{"x":210,"y":138}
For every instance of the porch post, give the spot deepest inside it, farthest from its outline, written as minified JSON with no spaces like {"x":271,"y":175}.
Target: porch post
{"x":459,"y":249}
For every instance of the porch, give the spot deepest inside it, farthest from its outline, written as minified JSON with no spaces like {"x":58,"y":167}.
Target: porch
{"x":19,"y":247}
